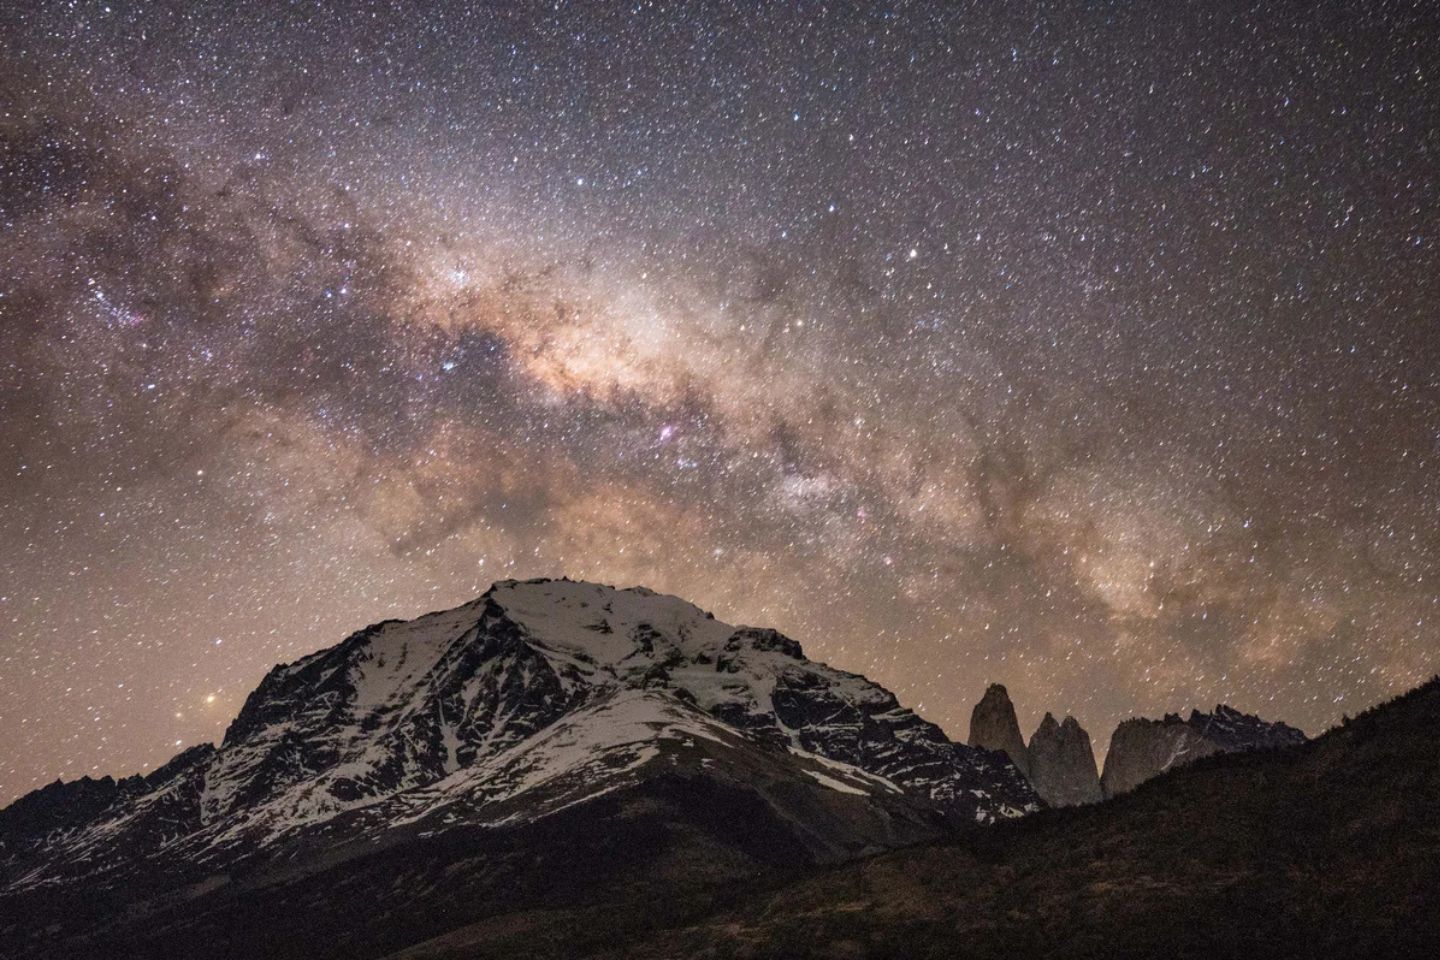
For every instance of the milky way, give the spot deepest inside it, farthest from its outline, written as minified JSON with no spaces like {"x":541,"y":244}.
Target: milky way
{"x":1091,"y":348}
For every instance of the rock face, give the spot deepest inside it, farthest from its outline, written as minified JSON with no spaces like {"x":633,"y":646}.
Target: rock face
{"x":545,"y":731}
{"x":1232,"y":730}
{"x":993,"y":726}
{"x":1059,"y":762}
{"x":1062,"y":764}
{"x":1141,"y":749}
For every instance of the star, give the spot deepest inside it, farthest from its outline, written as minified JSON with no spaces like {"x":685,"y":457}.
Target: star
{"x":959,"y":344}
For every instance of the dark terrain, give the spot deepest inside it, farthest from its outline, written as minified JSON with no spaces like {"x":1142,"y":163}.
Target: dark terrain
{"x":1330,"y":849}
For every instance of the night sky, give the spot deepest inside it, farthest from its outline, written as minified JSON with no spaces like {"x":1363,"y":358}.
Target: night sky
{"x":1093,"y":348}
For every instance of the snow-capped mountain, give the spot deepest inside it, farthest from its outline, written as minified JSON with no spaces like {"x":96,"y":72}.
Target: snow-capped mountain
{"x":538,"y":698}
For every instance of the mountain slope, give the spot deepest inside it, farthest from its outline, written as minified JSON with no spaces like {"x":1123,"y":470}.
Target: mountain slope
{"x":480,"y":729}
{"x":1329,"y":848}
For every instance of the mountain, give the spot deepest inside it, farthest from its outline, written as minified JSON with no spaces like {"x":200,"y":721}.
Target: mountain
{"x":550,"y":742}
{"x":1327,"y":848}
{"x":1232,"y":730}
{"x":1062,"y":763}
{"x":993,"y":726}
{"x":1141,"y":749}
{"x":1058,"y":762}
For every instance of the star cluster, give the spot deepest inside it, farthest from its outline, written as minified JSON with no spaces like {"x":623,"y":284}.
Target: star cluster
{"x":1091,"y":348}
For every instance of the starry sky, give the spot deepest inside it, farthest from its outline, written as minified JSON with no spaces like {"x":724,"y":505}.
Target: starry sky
{"x":1093,"y":348}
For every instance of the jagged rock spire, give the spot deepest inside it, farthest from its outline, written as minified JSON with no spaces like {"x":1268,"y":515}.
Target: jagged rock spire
{"x":993,"y":726}
{"x":1062,"y":764}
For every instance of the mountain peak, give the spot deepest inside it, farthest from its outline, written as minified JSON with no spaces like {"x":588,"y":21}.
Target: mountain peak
{"x":1232,"y":729}
{"x":1063,"y":764}
{"x":994,"y":726}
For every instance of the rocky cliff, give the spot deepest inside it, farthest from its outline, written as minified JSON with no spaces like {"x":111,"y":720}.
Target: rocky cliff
{"x":993,"y":726}
{"x":1141,"y":748}
{"x":1062,"y":764}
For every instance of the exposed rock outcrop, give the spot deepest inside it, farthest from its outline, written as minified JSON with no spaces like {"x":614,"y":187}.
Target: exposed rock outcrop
{"x":993,"y":726}
{"x":1141,"y":749}
{"x":1062,"y":764}
{"x":1233,"y":730}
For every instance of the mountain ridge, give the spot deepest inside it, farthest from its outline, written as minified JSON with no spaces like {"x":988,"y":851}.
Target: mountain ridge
{"x":1142,"y":748}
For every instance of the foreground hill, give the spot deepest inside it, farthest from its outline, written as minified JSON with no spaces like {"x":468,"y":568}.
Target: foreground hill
{"x":1325,"y":849}
{"x":551,"y":744}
